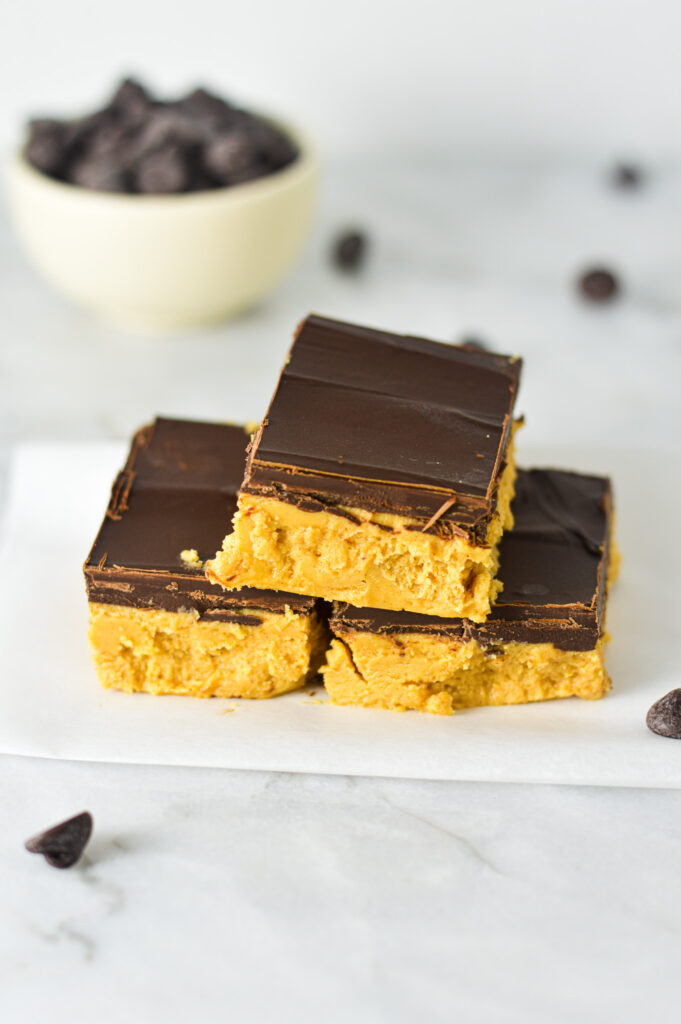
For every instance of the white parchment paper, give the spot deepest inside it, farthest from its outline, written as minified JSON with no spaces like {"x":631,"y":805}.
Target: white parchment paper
{"x":51,"y":704}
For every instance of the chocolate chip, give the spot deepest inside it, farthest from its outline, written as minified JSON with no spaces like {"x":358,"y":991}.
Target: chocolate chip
{"x":45,"y":146}
{"x":139,"y":144}
{"x":62,"y":845}
{"x":349,"y":250}
{"x":200,"y":181}
{"x":130,"y":99}
{"x":81,"y":133}
{"x":664,"y":717}
{"x":98,"y":173}
{"x":275,"y":148}
{"x":599,"y":285}
{"x":163,"y":128}
{"x":163,"y":172}
{"x":204,"y":104}
{"x":166,"y":127}
{"x":40,"y":127}
{"x":110,"y":140}
{"x":255,"y":170}
{"x":229,"y":156}
{"x":626,"y":176}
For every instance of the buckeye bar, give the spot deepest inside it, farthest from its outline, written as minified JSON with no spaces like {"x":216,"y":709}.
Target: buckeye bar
{"x":382,"y":474}
{"x":156,"y":623}
{"x":544,"y":638}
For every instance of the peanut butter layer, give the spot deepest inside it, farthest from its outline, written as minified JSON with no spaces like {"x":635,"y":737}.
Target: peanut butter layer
{"x":161,"y":652}
{"x":367,"y":559}
{"x":382,"y":474}
{"x":543,"y":639}
{"x":405,"y":672}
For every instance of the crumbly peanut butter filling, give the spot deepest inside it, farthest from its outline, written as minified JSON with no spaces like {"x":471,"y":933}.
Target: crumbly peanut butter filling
{"x":369,"y":559}
{"x":439,"y":675}
{"x":162,"y":652}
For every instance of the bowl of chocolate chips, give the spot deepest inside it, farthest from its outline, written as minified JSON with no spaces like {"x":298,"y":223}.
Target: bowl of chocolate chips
{"x":163,"y":215}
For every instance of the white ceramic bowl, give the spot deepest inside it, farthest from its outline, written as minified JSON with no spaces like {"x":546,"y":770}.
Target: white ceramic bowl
{"x":164,"y":263}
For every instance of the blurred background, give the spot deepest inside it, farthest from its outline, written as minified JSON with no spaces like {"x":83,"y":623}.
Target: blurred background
{"x":541,"y":77}
{"x":476,"y":146}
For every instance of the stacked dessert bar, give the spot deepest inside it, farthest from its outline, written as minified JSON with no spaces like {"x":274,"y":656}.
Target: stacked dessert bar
{"x":156,"y":623}
{"x":381,"y":533}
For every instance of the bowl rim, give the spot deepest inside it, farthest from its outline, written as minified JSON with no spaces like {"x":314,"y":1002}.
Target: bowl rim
{"x":305,"y":163}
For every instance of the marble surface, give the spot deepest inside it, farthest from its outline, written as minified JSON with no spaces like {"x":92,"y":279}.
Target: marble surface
{"x":212,"y":895}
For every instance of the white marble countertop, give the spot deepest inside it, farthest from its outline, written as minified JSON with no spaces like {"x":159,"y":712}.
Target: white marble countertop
{"x":211,"y":895}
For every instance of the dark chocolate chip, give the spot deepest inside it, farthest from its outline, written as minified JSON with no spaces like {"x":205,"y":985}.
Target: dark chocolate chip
{"x":664,"y":717}
{"x":199,"y":181}
{"x":250,"y":173}
{"x":98,"y":173}
{"x":39,"y":127}
{"x":157,"y":131}
{"x":280,"y":152}
{"x":45,"y":146}
{"x":155,"y":147}
{"x":164,"y":171}
{"x":627,"y":176}
{"x":131,"y":99}
{"x":166,"y":127}
{"x":62,"y":845}
{"x":81,"y":133}
{"x":599,"y":285}
{"x":274,"y":147}
{"x":349,"y":251}
{"x":229,"y":156}
{"x":110,"y":140}
{"x":204,"y":104}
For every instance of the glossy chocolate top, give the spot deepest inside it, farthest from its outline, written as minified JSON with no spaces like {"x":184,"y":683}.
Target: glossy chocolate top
{"x":553,"y":567}
{"x":386,"y":422}
{"x":176,"y":492}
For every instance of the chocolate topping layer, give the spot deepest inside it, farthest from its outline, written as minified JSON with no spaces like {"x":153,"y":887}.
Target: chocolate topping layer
{"x":553,"y":567}
{"x":176,"y":492}
{"x":389,"y":423}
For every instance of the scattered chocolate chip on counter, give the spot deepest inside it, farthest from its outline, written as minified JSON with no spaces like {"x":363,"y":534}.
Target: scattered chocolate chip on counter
{"x":626,"y":176}
{"x":664,"y":717}
{"x":63,"y":844}
{"x":350,"y":250}
{"x":138,"y":144}
{"x":599,"y":285}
